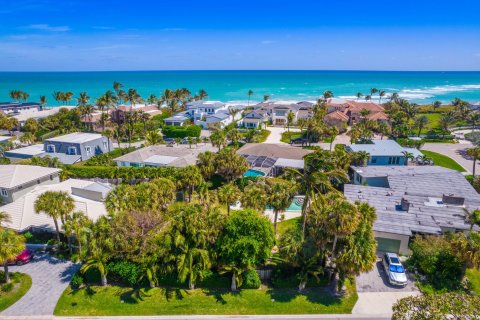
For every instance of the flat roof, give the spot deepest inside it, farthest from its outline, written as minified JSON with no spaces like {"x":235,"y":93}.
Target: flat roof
{"x":289,"y":163}
{"x":273,"y":150}
{"x":76,"y":137}
{"x":33,"y":150}
{"x":384,"y":171}
{"x":379,"y":148}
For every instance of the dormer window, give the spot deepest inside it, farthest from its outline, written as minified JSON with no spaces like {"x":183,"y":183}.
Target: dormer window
{"x":50,"y":148}
{"x":72,"y":150}
{"x":88,"y":150}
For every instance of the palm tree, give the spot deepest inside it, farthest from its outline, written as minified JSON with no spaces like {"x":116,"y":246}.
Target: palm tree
{"x":290,"y":119}
{"x":368,"y":97}
{"x":249,"y":93}
{"x":43,"y":101}
{"x":133,"y":97}
{"x":83,"y":99}
{"x":58,"y":96}
{"x":327,"y":95}
{"x":77,"y":225}
{"x":68,"y":96}
{"x":117,"y":86}
{"x":421,"y":122}
{"x":109,"y":135}
{"x":202,"y":94}
{"x":381,"y":94}
{"x":218,"y":139}
{"x":394,"y":97}
{"x":4,"y":217}
{"x":436,"y":104}
{"x":255,"y":196}
{"x":25,"y":96}
{"x":188,"y":178}
{"x":11,"y":245}
{"x":475,"y":154}
{"x":446,"y":120}
{"x":473,"y":218}
{"x":280,"y":197}
{"x":15,"y":95}
{"x":361,"y":158}
{"x":373,"y":91}
{"x":56,"y":204}
{"x":408,"y":156}
{"x":99,"y":249}
{"x":153,"y":138}
{"x":228,"y":194}
{"x":359,"y":95}
{"x":152,"y":99}
{"x":206,"y":163}
{"x":266,"y":97}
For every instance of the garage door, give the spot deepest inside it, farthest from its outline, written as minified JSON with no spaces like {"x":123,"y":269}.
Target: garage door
{"x":388,"y":245}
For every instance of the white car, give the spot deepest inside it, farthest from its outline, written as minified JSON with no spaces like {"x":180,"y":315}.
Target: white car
{"x":395,"y":271}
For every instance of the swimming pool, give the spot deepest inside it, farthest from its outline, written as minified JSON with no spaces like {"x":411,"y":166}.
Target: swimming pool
{"x":253,"y":173}
{"x":296,"y":204}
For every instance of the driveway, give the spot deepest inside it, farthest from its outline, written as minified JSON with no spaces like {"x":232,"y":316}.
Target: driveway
{"x":276,"y":134}
{"x":50,"y":277}
{"x":376,"y":295}
{"x":456,"y":151}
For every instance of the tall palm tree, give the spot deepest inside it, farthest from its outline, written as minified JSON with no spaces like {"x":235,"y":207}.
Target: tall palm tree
{"x":228,"y":194}
{"x":25,"y":96}
{"x":206,"y":163}
{"x":117,"y":86}
{"x":58,"y":96}
{"x":475,"y":154}
{"x":327,"y":95}
{"x":152,"y":99}
{"x":281,"y":193}
{"x":394,"y":97}
{"x":11,"y":245}
{"x":359,"y":95}
{"x":77,"y":225}
{"x":408,"y":156}
{"x":266,"y":97}
{"x":421,"y":122}
{"x":4,"y":218}
{"x":373,"y":91}
{"x":249,"y":93}
{"x":381,"y":94}
{"x":368,"y":97}
{"x":99,"y":249}
{"x":218,"y":139}
{"x":290,"y":119}
{"x":83,"y":99}
{"x":254,"y":196}
{"x":43,"y":101}
{"x":152,"y":138}
{"x":436,"y":104}
{"x":188,"y":178}
{"x":133,"y":97}
{"x":57,"y":205}
{"x":473,"y":218}
{"x":202,"y":94}
{"x":68,"y":96}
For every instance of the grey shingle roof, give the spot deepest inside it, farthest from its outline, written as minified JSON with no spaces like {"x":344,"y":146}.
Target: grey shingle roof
{"x":13,"y":175}
{"x":423,"y":191}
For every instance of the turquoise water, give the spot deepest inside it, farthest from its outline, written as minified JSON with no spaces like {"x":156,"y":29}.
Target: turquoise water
{"x":294,"y":206}
{"x":253,"y":173}
{"x":232,"y":86}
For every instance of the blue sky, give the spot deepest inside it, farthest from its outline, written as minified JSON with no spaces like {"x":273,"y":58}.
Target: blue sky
{"x":48,"y":35}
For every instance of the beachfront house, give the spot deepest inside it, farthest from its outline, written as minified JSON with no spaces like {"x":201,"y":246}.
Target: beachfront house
{"x":254,"y":120}
{"x":164,"y":156}
{"x":384,"y":152}
{"x":198,"y":110}
{"x":177,"y":120}
{"x":78,"y":146}
{"x":15,"y":108}
{"x":409,"y":201}
{"x":280,"y":113}
{"x":17,"y":180}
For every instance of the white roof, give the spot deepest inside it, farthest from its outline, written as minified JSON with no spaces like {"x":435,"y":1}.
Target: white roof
{"x":12,"y":175}
{"x":4,"y":138}
{"x":379,"y":148}
{"x":22,"y":212}
{"x":33,"y":150}
{"x":77,"y":137}
{"x":159,"y":160}
{"x":289,"y":163}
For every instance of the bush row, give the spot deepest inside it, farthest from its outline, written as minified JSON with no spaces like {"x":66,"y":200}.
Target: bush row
{"x":89,"y":172}
{"x":182,"y":132}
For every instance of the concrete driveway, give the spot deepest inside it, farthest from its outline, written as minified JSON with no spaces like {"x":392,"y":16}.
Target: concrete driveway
{"x":376,"y":295}
{"x":276,"y":134}
{"x":50,"y":277}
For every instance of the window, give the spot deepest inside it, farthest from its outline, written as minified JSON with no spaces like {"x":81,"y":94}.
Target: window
{"x":373,"y":160}
{"x":51,"y":177}
{"x":4,"y":192}
{"x":50,"y":148}
{"x":105,"y":144}
{"x":72,"y":150}
{"x":88,"y":150}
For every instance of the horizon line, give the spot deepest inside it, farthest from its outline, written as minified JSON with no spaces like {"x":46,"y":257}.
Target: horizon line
{"x":241,"y":70}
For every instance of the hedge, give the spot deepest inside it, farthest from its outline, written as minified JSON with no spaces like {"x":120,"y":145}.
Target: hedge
{"x":182,"y":132}
{"x":119,"y":172}
{"x":106,"y":159}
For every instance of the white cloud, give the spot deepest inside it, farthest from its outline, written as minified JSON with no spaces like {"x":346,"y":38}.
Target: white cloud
{"x":46,"y":27}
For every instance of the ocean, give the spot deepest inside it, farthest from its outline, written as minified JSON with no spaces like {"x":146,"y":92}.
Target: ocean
{"x":232,"y":86}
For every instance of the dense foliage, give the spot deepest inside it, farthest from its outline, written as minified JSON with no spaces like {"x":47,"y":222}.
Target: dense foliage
{"x":182,"y":132}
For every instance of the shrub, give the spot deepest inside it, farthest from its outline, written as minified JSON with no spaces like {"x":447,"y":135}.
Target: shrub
{"x":473,"y":137}
{"x":182,"y":132}
{"x":7,"y":287}
{"x":106,"y":159}
{"x":119,"y":172}
{"x":434,"y":257}
{"x":125,"y":270}
{"x":28,"y":236}
{"x":251,"y":280}
{"x":77,"y":281}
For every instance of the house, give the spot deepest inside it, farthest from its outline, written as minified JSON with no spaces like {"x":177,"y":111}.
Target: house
{"x":336,"y":119}
{"x":414,"y":200}
{"x":221,"y":119}
{"x":177,"y":120}
{"x":254,"y":120}
{"x":14,"y":108}
{"x":22,"y":117}
{"x":354,"y":110}
{"x":271,"y":158}
{"x":198,"y":110}
{"x":88,"y":198}
{"x":5,"y":139}
{"x":384,"y":152}
{"x":280,"y":113}
{"x":17,"y":180}
{"x":118,"y":114}
{"x":78,"y":146}
{"x":35,"y":150}
{"x":164,"y":156}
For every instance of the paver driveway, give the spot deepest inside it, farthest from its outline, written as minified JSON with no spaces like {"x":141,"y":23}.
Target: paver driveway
{"x":50,"y":277}
{"x":376,"y":295}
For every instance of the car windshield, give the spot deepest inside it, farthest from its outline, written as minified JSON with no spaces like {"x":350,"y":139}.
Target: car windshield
{"x":397,"y":268}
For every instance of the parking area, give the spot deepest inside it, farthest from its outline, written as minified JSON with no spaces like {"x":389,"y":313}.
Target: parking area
{"x":377,"y":281}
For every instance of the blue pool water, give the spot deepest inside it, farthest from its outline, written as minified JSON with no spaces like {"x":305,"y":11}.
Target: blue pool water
{"x":296,"y":204}
{"x":253,"y":173}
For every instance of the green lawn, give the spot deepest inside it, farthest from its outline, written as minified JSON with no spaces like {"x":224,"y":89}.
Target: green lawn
{"x":115,"y":301}
{"x":287,"y":136}
{"x":11,"y":293}
{"x":443,"y":161}
{"x":433,"y":121}
{"x":284,"y":225}
{"x":473,"y":276}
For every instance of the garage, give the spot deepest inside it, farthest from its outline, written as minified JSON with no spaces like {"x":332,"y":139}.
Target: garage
{"x":388,"y":245}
